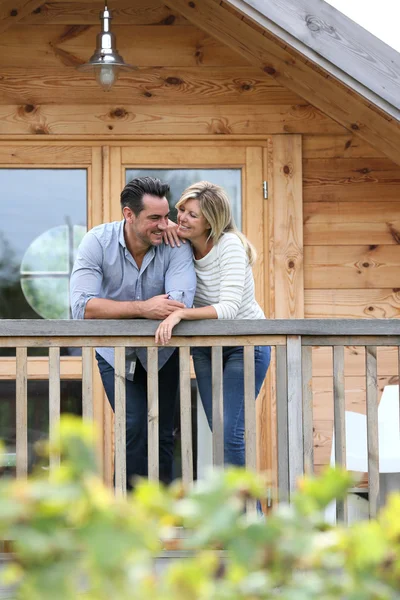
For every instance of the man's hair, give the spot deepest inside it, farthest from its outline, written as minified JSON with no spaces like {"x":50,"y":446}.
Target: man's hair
{"x":133,"y":192}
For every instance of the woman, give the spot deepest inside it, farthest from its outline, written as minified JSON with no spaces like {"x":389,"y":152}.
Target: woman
{"x":225,"y":290}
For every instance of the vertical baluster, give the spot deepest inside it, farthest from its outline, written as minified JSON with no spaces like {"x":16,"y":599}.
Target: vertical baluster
{"x":306,"y":365}
{"x":217,"y":407}
{"x":372,"y":430}
{"x":153,"y":414}
{"x":54,"y":401}
{"x":295,"y":411}
{"x":186,"y":416}
{"x":250,"y":415}
{"x":22,"y":412}
{"x":120,"y":422}
{"x":282,"y":424}
{"x":87,"y":384}
{"x":398,"y":375}
{"x":339,"y":421}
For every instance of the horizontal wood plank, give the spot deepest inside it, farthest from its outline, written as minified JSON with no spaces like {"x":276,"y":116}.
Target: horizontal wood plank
{"x":13,"y":11}
{"x":352,"y":212}
{"x":363,"y":179}
{"x":352,"y":232}
{"x":180,"y":155}
{"x":352,"y":303}
{"x":215,"y":332}
{"x":354,"y":361}
{"x":71,"y":45}
{"x":164,"y":85}
{"x":119,"y":119}
{"x":40,"y":155}
{"x":351,"y":266}
{"x":38,"y":367}
{"x":71,"y":12}
{"x":338,"y":146}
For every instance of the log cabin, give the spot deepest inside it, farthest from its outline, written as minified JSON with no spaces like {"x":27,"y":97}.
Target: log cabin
{"x":289,"y":103}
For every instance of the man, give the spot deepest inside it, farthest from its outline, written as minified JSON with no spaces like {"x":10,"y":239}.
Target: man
{"x":123,"y":270}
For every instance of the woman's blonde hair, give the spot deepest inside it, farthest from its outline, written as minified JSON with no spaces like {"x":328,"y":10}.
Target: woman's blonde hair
{"x":216,"y":208}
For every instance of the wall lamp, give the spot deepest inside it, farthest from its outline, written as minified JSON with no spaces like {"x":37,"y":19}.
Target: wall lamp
{"x":106,"y":62}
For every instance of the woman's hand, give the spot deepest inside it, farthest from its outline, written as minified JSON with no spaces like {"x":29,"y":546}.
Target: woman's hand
{"x":164,"y":330}
{"x":170,"y":236}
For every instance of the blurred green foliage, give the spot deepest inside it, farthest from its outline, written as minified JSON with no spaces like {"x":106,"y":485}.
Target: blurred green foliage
{"x":72,"y":538}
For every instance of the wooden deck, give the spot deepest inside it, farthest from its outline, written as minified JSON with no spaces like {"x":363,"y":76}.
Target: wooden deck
{"x":293,"y":341}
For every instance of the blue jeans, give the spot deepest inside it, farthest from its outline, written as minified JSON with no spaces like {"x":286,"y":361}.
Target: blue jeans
{"x":136,"y":415}
{"x":233,"y":382}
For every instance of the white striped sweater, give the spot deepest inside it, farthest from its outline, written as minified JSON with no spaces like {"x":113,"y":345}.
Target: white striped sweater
{"x":225,"y":281}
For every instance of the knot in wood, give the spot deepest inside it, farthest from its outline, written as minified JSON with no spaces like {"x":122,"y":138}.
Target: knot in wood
{"x":192,"y":5}
{"x":291,"y":264}
{"x":366,"y":265}
{"x":354,"y":126}
{"x":286,"y":169}
{"x":313,"y":23}
{"x":40,"y":130}
{"x":270,"y":70}
{"x":169,"y":20}
{"x":246,"y":87}
{"x":147,"y":94}
{"x":13,"y":12}
{"x":118,"y":113}
{"x":174,"y":81}
{"x":370,"y":308}
{"x":37,"y":10}
{"x":28,"y":108}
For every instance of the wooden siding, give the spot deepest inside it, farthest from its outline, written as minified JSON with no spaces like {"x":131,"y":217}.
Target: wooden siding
{"x":351,"y":262}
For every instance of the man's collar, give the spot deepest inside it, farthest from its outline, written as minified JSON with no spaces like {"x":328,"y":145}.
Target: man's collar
{"x":121,"y":234}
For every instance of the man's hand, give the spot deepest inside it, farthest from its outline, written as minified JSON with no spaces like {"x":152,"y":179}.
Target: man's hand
{"x":164,"y":330}
{"x":159,"y":307}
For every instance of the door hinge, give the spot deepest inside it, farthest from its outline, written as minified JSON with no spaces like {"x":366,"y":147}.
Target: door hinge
{"x":265,"y":190}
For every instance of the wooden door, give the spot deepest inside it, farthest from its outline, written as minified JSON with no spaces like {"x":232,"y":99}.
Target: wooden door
{"x":239,"y":166}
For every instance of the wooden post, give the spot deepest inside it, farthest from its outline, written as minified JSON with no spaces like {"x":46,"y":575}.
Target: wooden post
{"x":120,"y":421}
{"x":186,"y":416}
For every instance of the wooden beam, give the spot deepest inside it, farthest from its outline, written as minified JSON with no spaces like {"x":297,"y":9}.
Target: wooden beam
{"x":220,"y":120}
{"x":289,"y":68}
{"x":163,"y":85}
{"x":288,"y":227}
{"x":12,"y":11}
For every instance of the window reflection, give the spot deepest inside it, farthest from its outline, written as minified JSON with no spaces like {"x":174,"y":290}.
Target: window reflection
{"x":179,"y":179}
{"x":42,"y":219}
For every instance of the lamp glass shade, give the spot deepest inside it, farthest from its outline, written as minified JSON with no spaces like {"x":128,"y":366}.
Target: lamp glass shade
{"x":106,"y":75}
{"x":106,"y":62}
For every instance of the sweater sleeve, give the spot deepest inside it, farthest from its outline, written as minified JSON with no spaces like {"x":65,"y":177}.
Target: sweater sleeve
{"x":232,"y":266}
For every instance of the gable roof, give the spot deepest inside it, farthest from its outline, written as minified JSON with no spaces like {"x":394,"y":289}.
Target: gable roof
{"x":319,"y":53}
{"x":334,"y":42}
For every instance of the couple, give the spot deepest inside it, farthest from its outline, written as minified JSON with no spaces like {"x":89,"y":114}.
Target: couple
{"x":137,"y":268}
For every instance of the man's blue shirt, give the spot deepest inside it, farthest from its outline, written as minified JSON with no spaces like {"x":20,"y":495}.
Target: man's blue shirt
{"x":104,"y":268}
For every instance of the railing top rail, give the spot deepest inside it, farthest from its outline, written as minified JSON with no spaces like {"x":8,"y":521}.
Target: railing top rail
{"x":144,"y":327}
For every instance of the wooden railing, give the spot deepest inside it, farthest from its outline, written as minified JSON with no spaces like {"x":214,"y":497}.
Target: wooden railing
{"x":293,"y":341}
